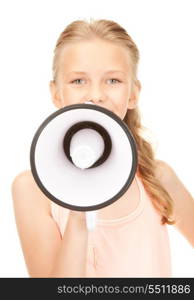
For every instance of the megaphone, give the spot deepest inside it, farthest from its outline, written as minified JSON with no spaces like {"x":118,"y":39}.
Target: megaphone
{"x":83,"y":157}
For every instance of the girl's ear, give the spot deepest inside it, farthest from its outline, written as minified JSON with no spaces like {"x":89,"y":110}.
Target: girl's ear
{"x":54,"y":94}
{"x":135,"y":91}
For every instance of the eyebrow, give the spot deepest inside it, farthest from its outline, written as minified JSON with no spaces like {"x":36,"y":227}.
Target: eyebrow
{"x":84,"y":73}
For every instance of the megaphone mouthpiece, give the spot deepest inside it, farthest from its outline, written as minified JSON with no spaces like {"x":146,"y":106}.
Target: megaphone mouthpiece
{"x":89,"y":136}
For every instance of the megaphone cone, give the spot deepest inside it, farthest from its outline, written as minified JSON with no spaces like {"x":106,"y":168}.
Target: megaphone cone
{"x":83,"y":157}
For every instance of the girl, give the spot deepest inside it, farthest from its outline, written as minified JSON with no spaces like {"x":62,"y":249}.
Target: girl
{"x":97,"y":61}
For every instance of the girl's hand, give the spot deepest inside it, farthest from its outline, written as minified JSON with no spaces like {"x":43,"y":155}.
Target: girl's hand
{"x":80,"y":215}
{"x":78,"y":218}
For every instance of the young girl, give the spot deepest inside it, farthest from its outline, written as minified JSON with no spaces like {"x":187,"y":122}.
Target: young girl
{"x":97,"y":61}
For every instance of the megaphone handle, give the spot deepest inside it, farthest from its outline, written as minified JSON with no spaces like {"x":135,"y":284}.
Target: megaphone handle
{"x":91,"y":219}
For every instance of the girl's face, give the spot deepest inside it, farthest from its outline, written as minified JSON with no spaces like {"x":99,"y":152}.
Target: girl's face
{"x":96,"y":71}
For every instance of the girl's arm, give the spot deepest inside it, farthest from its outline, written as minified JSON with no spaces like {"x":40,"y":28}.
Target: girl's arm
{"x":46,"y":253}
{"x":183,"y":200}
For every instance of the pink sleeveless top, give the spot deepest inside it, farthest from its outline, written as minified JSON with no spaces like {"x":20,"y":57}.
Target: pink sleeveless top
{"x":136,"y":245}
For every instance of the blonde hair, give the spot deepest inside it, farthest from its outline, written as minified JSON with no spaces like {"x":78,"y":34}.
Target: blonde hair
{"x":111,"y":31}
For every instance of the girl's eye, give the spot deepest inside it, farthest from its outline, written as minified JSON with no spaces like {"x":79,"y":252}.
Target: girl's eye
{"x":82,"y":81}
{"x":113,"y":80}
{"x":77,"y":81}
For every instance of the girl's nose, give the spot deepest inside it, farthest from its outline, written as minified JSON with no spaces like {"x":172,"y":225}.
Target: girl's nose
{"x":93,"y":101}
{"x":95,"y":95}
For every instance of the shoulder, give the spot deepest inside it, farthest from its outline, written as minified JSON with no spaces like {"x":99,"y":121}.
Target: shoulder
{"x":163,"y":172}
{"x":174,"y":186}
{"x":167,"y":178}
{"x":22,"y":178}
{"x":25,"y":191}
{"x":23,"y":182}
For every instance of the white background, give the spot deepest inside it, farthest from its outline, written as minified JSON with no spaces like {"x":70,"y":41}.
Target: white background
{"x":163,"y":32}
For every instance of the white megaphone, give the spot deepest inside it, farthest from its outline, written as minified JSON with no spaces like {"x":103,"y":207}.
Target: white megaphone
{"x":83,"y":157}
